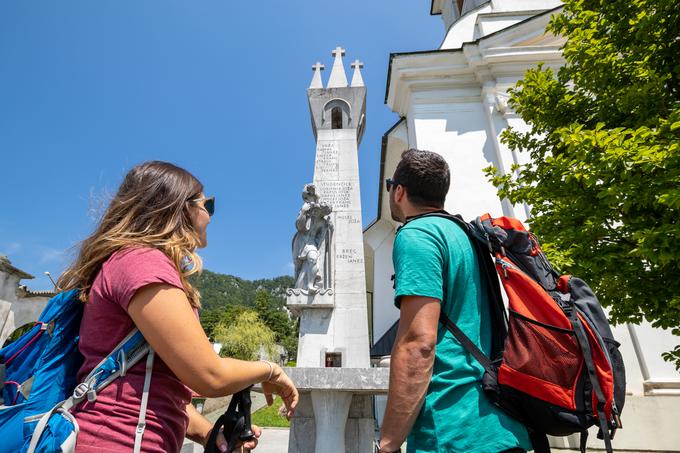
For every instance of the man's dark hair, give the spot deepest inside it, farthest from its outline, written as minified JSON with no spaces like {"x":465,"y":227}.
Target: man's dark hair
{"x":426,"y":177}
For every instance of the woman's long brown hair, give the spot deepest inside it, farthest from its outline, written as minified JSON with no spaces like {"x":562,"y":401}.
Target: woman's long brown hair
{"x":149,"y":210}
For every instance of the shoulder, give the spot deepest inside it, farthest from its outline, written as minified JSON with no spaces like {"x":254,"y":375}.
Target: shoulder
{"x":129,"y":254}
{"x":131,"y":268}
{"x":437,"y":228}
{"x":138,"y":261}
{"x":438,"y":235}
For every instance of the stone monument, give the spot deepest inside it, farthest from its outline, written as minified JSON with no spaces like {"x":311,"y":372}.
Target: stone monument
{"x":333,"y":370}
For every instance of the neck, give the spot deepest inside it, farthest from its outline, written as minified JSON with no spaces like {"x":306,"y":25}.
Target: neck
{"x":414,"y":211}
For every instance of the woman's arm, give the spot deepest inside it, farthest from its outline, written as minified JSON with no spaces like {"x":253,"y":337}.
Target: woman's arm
{"x":164,"y":316}
{"x":199,"y":426}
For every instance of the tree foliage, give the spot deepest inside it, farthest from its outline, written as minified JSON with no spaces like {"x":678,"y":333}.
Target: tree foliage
{"x":286,"y":330}
{"x":225,"y":298}
{"x":604,"y":176}
{"x":245,"y":337}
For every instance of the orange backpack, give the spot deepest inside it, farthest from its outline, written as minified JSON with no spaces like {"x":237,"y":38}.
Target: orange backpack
{"x":554,"y":365}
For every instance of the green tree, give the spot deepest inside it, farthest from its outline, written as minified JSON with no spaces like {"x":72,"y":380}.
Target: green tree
{"x":278,"y":320}
{"x":245,"y":337}
{"x":604,"y":176}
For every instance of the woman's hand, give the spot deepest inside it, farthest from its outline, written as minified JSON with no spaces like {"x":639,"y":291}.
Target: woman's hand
{"x":280,"y":384}
{"x":221,"y":441}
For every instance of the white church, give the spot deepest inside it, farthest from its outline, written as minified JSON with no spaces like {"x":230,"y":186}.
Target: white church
{"x":453,"y":100}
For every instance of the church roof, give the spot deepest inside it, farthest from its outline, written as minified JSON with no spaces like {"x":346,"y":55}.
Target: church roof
{"x":24,"y":292}
{"x":6,"y":266}
{"x":383,"y":346}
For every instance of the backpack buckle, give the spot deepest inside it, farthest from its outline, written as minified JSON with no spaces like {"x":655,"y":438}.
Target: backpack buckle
{"x":81,"y":390}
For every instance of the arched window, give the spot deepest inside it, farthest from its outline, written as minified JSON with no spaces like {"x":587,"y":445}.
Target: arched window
{"x":336,"y":114}
{"x":336,"y":118}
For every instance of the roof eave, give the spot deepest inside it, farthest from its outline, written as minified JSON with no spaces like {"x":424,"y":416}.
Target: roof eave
{"x":398,"y":55}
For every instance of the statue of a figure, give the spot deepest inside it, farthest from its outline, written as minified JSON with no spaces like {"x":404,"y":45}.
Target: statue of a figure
{"x":311,"y":243}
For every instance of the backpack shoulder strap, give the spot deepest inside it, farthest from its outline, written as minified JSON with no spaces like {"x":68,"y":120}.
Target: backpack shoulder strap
{"x":465,"y":341}
{"x":141,"y":421}
{"x":499,"y":320}
{"x":124,"y":355}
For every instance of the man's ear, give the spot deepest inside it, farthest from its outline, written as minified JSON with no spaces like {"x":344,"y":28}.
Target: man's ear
{"x":399,"y":193}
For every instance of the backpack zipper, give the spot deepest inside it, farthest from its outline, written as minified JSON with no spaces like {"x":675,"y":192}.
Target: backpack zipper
{"x":505,"y":265}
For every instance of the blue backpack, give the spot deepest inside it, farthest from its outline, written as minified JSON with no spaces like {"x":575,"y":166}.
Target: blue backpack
{"x":38,"y":372}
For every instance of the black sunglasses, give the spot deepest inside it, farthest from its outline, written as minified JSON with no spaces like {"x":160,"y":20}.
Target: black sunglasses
{"x":208,"y":204}
{"x":389,"y":183}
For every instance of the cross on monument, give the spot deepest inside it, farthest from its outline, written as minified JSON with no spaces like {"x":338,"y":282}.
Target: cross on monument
{"x":338,"y":50}
{"x":357,"y":80}
{"x":318,"y":66}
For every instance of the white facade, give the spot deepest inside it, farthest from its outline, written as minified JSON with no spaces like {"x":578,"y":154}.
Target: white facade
{"x":453,"y":101}
{"x":18,"y":305}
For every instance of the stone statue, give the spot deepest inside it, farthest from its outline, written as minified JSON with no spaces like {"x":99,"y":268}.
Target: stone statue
{"x":311,"y":243}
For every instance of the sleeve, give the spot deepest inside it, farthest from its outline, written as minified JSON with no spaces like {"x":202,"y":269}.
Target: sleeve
{"x":133,"y":269}
{"x":418,"y":265}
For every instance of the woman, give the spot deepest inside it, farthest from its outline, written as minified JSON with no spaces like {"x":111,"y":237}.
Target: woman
{"x":132,"y":272}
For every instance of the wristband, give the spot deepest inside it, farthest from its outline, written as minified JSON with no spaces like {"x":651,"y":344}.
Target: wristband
{"x":380,"y":450}
{"x":271,"y":369}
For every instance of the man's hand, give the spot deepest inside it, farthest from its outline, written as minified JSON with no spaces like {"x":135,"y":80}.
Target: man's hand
{"x":410,"y":368}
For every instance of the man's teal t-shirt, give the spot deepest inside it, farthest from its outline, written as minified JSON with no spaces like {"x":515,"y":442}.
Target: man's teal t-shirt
{"x":433,"y":257}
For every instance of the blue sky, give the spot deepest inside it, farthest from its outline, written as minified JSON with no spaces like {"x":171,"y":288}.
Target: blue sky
{"x":90,"y":88}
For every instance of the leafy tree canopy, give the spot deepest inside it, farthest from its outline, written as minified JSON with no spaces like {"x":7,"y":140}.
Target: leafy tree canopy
{"x":245,"y":337}
{"x":226,"y":298}
{"x":604,"y":176}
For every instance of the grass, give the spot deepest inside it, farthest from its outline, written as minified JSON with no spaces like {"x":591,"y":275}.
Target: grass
{"x":268,"y":416}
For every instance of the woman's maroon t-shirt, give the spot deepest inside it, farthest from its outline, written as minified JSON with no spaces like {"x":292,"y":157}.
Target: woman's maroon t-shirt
{"x":109,"y":423}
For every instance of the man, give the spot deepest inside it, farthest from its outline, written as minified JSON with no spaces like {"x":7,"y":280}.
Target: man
{"x":435,"y":384}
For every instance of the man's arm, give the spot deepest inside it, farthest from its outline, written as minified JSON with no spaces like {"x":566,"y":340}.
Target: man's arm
{"x":410,"y":368}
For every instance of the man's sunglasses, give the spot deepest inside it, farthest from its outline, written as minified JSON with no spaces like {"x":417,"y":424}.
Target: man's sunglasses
{"x":389,"y":183}
{"x":208,"y":204}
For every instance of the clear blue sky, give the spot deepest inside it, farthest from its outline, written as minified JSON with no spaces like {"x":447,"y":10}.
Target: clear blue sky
{"x":90,"y":88}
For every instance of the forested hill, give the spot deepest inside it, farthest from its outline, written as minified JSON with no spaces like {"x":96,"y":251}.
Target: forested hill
{"x":218,"y":291}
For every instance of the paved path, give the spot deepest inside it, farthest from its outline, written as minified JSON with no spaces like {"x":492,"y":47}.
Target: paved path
{"x":273,"y":440}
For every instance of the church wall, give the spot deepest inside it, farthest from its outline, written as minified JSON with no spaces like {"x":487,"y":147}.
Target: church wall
{"x":458,"y":131}
{"x":380,"y":237}
{"x":384,"y":311}
{"x":16,"y":311}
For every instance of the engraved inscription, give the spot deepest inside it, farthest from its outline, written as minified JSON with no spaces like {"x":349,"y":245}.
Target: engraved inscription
{"x":327,"y":157}
{"x":348,"y":217}
{"x":337,"y":193}
{"x":349,"y":255}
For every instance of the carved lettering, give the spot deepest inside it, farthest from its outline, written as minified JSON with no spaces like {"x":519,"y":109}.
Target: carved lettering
{"x":338,"y":194}
{"x":327,"y":157}
{"x":349,"y":255}
{"x":348,"y":217}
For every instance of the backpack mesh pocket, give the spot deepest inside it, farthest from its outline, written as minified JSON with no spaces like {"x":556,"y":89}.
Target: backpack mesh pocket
{"x":549,"y":354}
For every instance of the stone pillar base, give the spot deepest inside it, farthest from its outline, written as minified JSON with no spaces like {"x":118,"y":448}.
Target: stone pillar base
{"x":359,"y":428}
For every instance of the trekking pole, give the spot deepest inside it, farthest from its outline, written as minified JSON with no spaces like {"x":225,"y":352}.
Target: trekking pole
{"x":247,"y":433}
{"x":235,"y":423}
